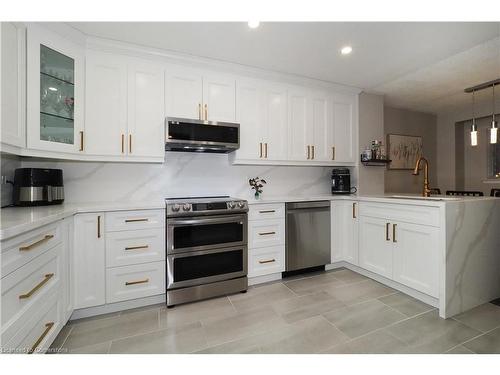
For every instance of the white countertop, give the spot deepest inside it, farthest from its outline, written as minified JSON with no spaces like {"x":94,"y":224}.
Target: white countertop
{"x":17,"y":220}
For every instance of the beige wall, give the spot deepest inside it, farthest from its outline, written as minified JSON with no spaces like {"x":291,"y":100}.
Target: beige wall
{"x":401,"y":121}
{"x":371,"y":126}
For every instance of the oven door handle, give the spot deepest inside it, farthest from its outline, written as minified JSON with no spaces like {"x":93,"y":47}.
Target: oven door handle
{"x":219,"y":220}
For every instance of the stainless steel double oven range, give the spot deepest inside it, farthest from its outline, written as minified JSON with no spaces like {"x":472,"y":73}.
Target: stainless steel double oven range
{"x":207,"y":250}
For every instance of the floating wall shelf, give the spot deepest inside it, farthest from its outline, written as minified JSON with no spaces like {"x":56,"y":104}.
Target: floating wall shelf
{"x":376,"y":162}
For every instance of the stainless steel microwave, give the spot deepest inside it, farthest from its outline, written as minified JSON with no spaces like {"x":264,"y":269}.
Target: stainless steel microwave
{"x":189,"y":135}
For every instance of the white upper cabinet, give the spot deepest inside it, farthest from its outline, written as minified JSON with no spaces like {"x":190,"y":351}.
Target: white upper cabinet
{"x":146,"y":110}
{"x":299,"y":124}
{"x":322,"y":127}
{"x":345,"y":127}
{"x":13,"y":77}
{"x":183,"y":93}
{"x":55,"y":92}
{"x":219,"y":101}
{"x":106,"y":110}
{"x":192,"y":94}
{"x":261,"y":111}
{"x":125,"y":112}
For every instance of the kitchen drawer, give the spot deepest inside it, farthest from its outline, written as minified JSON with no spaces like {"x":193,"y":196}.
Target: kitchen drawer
{"x":266,"y":260}
{"x":135,"y":247}
{"x":25,"y":289}
{"x":399,"y":212}
{"x":132,"y":220}
{"x":264,"y":233}
{"x":21,"y":249}
{"x":266,"y":211}
{"x":39,"y":331}
{"x":137,"y":281}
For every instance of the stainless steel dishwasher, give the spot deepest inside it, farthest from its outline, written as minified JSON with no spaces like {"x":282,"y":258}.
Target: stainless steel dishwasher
{"x":307,"y":234}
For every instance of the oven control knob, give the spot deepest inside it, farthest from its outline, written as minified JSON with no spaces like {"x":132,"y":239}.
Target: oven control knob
{"x":241,"y":204}
{"x":186,"y":207}
{"x":176,"y":207}
{"x":231,"y":205}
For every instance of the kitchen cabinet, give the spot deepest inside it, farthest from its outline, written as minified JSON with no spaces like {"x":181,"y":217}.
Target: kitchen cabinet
{"x":55,"y":92}
{"x":89,"y":260}
{"x":322,"y":142}
{"x":195,"y":94}
{"x":416,"y":261}
{"x":125,"y":114}
{"x":345,"y":231}
{"x":403,"y":251}
{"x":262,"y":115}
{"x":13,"y":73}
{"x":345,"y":127}
{"x":375,"y":246}
{"x":299,"y":139}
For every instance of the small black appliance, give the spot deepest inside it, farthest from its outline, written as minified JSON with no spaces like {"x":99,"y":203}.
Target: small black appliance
{"x":341,"y":181}
{"x":38,"y":187}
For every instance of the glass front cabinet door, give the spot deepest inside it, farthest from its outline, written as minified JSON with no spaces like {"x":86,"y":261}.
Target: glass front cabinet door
{"x":54,"y":92}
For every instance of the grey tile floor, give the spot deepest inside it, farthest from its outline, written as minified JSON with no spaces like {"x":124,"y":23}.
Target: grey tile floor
{"x":332,"y":312}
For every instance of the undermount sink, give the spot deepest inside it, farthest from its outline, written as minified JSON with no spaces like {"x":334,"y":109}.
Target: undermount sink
{"x":435,"y":198}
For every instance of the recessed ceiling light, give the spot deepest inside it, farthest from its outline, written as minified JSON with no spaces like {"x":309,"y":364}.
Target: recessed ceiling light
{"x":253,"y":24}
{"x":346,"y":50}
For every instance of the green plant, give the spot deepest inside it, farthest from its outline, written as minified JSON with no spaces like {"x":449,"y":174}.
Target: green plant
{"x":257,"y":184}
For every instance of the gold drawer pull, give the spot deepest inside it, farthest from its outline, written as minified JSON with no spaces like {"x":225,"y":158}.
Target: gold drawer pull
{"x":199,"y":111}
{"x":48,"y":327}
{"x":266,"y":211}
{"x":35,"y":244}
{"x":137,"y":282}
{"x":312,"y":147}
{"x":137,"y":247}
{"x":333,"y":153}
{"x":354,"y":210}
{"x":206,"y":112}
{"x":266,"y":233}
{"x":135,"y":220}
{"x":387,"y":225}
{"x":267,"y":261}
{"x":260,"y":146}
{"x":38,"y":286}
{"x":394,"y":233}
{"x":81,"y":141}
{"x":123,"y":143}
{"x":265,"y":150}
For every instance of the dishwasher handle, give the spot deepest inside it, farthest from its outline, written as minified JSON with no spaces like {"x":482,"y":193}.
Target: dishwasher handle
{"x":307,"y":205}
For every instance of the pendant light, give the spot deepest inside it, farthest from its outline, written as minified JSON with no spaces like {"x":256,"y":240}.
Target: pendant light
{"x":494,"y":128}
{"x":473,"y":130}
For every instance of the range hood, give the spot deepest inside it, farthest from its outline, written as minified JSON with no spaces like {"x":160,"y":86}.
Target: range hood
{"x":188,"y":135}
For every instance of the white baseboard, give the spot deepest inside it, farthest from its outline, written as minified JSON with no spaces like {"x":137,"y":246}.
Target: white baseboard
{"x":118,"y":306}
{"x":264,"y":279}
{"x":434,"y":302}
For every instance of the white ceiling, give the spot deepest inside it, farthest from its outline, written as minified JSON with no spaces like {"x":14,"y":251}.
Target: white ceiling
{"x":420,"y":66}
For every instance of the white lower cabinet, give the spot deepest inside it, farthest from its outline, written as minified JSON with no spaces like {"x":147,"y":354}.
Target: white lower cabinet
{"x":401,"y":251}
{"x":89,"y":260}
{"x":266,"y":239}
{"x":344,"y":221}
{"x":135,"y":281}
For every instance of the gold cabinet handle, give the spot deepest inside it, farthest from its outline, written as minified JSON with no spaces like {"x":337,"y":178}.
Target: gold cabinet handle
{"x":266,"y":211}
{"x":135,"y":220}
{"x":266,"y":233}
{"x":354,"y":210}
{"x":387,"y":225}
{"x":308,"y":152}
{"x":267,"y":261}
{"x":127,"y":283}
{"x":260,"y":146}
{"x":48,"y":327}
{"x":394,"y":233}
{"x":312,"y":147}
{"x":123,"y":143}
{"x":206,"y":112}
{"x":99,"y":226}
{"x":199,"y":111}
{"x":333,"y":152}
{"x":81,"y":140}
{"x":137,"y":247}
{"x":37,"y":286}
{"x":265,"y":150}
{"x":130,"y":143}
{"x":37,"y":243}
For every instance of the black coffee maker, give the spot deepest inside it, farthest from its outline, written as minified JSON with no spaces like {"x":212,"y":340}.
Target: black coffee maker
{"x":341,"y":181}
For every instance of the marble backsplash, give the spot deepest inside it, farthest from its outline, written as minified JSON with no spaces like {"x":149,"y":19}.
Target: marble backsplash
{"x":182,"y":174}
